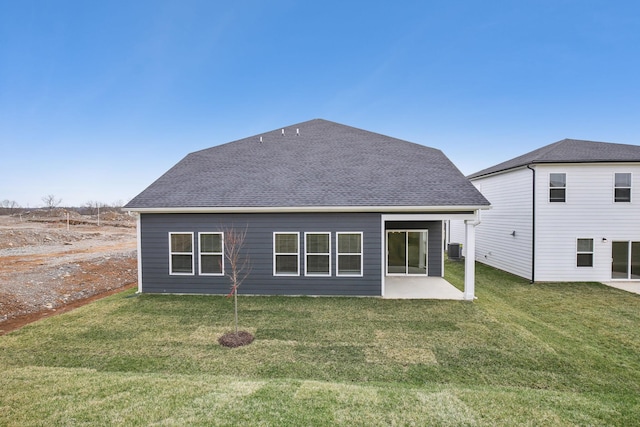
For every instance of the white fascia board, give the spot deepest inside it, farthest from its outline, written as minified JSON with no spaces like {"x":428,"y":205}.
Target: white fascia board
{"x":323,"y":209}
{"x":472,"y":216}
{"x":503,"y":171}
{"x":558,"y":164}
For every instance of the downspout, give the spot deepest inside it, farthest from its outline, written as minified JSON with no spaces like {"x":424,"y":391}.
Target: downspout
{"x":533,"y":224}
{"x":470,"y":258}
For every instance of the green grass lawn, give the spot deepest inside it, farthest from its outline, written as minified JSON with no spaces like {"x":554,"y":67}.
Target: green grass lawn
{"x":547,"y":354}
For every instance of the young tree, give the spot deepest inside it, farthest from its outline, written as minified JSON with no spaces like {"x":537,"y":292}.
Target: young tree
{"x":239,"y":263}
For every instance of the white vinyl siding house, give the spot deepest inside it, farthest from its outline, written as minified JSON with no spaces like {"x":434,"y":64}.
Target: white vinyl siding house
{"x":503,"y":237}
{"x":583,"y":211}
{"x":589,"y":212}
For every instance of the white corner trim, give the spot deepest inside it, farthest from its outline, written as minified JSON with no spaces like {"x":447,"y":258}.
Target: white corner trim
{"x":139,"y":249}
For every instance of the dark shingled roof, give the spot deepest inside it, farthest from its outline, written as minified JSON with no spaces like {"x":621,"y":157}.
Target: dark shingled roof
{"x":326,"y":165}
{"x":569,"y":151}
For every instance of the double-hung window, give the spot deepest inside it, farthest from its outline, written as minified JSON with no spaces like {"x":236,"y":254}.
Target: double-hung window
{"x":286,"y":254}
{"x":558,"y":187}
{"x":622,"y":190}
{"x":180,"y":253}
{"x":349,"y":251}
{"x":211,"y":254}
{"x":317,"y":248}
{"x":584,"y":257}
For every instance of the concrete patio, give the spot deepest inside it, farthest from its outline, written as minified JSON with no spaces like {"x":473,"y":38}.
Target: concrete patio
{"x":632,"y":286}
{"x":414,"y":287}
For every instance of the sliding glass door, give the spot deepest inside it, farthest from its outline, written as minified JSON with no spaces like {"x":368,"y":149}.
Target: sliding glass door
{"x":407,"y":252}
{"x":625,"y":260}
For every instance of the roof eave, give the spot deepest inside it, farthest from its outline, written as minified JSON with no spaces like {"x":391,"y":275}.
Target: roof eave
{"x":310,"y":209}
{"x":474,"y":176}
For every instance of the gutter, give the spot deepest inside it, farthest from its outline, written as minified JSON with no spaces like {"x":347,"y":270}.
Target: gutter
{"x":302,"y":209}
{"x":533,"y":224}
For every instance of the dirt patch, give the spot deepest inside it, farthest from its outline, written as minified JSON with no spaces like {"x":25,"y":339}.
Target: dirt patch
{"x":18,"y":322}
{"x":49,"y":267}
{"x":233,"y":340}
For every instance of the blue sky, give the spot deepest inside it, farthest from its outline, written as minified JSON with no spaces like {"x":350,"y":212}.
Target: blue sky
{"x":98,"y":99}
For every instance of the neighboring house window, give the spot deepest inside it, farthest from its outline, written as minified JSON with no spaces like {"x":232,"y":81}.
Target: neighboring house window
{"x":349,"y":250}
{"x":211,"y":253}
{"x":622,"y":191}
{"x":585,"y":253}
{"x":181,"y":253}
{"x":286,"y":254}
{"x":557,"y":187}
{"x":317,"y":254}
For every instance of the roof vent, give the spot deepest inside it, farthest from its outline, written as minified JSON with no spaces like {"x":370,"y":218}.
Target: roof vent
{"x":260,"y":140}
{"x":297,"y":131}
{"x":283,"y":131}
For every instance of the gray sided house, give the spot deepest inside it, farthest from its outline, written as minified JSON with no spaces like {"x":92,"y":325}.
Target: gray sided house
{"x":328,"y":209}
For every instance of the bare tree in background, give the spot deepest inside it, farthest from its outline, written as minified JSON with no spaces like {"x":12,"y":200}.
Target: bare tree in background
{"x":239,"y":263}
{"x":92,"y":207}
{"x":51,"y":201}
{"x":9,"y":206}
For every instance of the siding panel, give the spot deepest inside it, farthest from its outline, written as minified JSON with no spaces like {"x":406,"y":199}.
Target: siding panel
{"x":259,"y":247}
{"x":510,"y":195}
{"x":589,"y":212}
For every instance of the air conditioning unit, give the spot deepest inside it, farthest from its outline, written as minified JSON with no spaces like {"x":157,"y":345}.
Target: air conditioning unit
{"x":454,"y":251}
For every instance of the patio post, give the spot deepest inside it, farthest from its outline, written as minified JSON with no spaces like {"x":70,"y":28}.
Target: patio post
{"x":470,"y":260}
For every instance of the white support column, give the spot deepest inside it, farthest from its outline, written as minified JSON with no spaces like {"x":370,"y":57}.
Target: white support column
{"x":139,"y":239}
{"x":470,"y":260}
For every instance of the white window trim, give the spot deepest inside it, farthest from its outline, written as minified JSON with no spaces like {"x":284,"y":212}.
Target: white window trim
{"x":306,"y":254}
{"x":549,"y":187}
{"x":630,"y":187}
{"x":338,"y":253}
{"x":406,"y":274}
{"x":591,"y":252}
{"x":171,"y":253}
{"x":297,"y":254}
{"x":200,"y":253}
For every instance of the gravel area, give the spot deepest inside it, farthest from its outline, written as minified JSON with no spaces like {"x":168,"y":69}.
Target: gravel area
{"x":45,"y":266}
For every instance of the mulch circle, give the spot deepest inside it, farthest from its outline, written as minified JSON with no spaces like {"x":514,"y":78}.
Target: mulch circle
{"x":232,"y":340}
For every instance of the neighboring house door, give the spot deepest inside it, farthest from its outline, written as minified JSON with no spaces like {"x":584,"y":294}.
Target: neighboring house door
{"x":407,"y":252}
{"x":625,"y":257}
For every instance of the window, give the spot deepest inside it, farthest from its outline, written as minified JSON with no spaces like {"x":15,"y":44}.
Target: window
{"x":211,"y":254}
{"x":622,"y":190}
{"x":317,"y":254}
{"x":585,"y":253}
{"x":286,"y":254}
{"x":180,"y":253}
{"x":557,"y":187}
{"x":349,"y":250}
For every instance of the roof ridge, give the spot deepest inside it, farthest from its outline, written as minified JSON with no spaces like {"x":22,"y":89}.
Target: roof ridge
{"x":547,"y":149}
